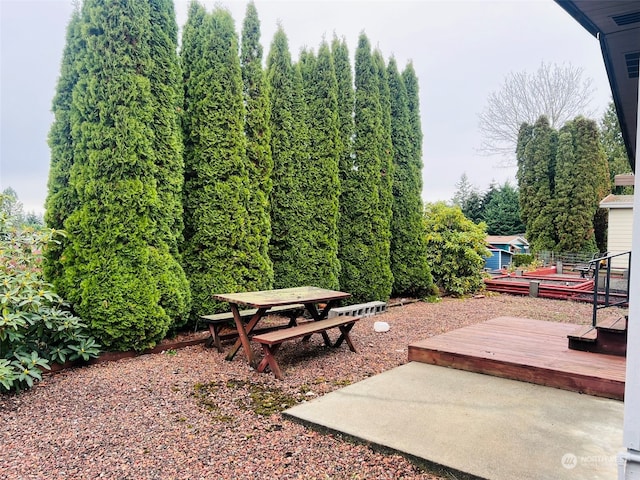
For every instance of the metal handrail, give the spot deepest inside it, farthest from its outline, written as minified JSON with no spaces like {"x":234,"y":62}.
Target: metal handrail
{"x":607,"y":289}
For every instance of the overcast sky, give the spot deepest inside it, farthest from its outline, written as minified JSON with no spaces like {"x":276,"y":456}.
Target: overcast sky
{"x":461,"y":51}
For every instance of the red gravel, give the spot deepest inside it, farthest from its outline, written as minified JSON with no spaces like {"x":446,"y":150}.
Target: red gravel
{"x":191,"y":415}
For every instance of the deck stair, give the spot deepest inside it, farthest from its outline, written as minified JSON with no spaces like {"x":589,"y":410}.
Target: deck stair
{"x":607,"y":336}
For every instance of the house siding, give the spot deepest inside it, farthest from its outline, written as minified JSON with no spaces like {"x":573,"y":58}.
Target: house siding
{"x":498,"y":259}
{"x":619,"y":235}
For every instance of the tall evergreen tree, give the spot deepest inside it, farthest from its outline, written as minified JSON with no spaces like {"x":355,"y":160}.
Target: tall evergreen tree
{"x":410,"y":81}
{"x":260,"y":162}
{"x":117,"y":261}
{"x":469,"y":199}
{"x":536,"y":173}
{"x":613,"y":145}
{"x":321,"y":168}
{"x":411,"y":273}
{"x":345,"y":100}
{"x":344,"y":79}
{"x":361,"y":190}
{"x":61,"y":197}
{"x":217,"y":252}
{"x":166,"y":96}
{"x":383,"y":225}
{"x":582,"y":180}
{"x":289,"y":248}
{"x":166,"y":93}
{"x":502,"y":212}
{"x":525,"y":184}
{"x":571,"y":218}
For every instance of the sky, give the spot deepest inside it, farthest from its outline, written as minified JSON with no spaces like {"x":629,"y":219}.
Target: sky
{"x":461,"y":51}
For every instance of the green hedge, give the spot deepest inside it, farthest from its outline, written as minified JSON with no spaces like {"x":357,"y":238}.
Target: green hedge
{"x":521,"y":259}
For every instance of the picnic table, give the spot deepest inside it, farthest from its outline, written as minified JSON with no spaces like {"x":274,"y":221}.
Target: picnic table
{"x":263,"y":300}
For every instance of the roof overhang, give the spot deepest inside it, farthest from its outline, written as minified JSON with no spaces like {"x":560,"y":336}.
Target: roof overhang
{"x":616,"y":25}
{"x":617,"y":201}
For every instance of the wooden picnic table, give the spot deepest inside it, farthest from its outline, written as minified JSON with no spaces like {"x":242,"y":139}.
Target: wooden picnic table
{"x":263,"y":300}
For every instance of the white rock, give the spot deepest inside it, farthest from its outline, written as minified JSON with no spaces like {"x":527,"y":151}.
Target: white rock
{"x":381,"y":327}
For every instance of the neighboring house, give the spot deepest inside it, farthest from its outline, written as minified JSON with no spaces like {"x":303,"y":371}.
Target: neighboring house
{"x":619,"y":228}
{"x":510,"y":243}
{"x":503,"y":248}
{"x":499,"y":258}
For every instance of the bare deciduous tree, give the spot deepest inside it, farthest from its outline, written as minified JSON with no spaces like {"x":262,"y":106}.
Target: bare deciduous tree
{"x":558,"y":91}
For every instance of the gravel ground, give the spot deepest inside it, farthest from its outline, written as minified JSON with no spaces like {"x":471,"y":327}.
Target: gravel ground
{"x":189,"y":414}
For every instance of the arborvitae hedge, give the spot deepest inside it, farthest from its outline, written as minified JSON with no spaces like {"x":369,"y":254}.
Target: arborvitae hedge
{"x":321,"y":167}
{"x":290,"y":247}
{"x":581,"y":182}
{"x":166,"y":95}
{"x":61,"y":196}
{"x":385,"y":180}
{"x":411,"y":273}
{"x":561,"y":178}
{"x":345,"y":101}
{"x":119,"y":154}
{"x":536,"y":173}
{"x":361,"y":203}
{"x":115,"y":266}
{"x":260,"y":162}
{"x":218,"y":254}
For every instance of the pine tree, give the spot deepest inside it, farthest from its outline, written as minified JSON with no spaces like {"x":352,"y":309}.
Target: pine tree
{"x":536,"y":173}
{"x":258,"y":134}
{"x":321,"y":168}
{"x":411,"y":273}
{"x":361,"y":212}
{"x":116,"y":261}
{"x":469,"y":198}
{"x":217,"y":252}
{"x":289,"y":248}
{"x":502,"y":212}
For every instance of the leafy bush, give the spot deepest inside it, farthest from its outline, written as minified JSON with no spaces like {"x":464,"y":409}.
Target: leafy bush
{"x":456,"y":249}
{"x":521,"y":259}
{"x":36,"y":327}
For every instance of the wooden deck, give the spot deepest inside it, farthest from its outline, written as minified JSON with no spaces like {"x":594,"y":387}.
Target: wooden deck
{"x":528,"y":350}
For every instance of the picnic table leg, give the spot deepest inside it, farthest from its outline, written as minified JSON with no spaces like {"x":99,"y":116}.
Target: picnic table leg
{"x":311,"y":308}
{"x":293,"y":318}
{"x":215,"y":337}
{"x":270,"y":359}
{"x":344,"y":335}
{"x":243,"y":334}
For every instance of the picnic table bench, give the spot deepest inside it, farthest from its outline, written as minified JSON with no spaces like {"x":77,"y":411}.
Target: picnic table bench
{"x":271,"y":341}
{"x":219,"y":321}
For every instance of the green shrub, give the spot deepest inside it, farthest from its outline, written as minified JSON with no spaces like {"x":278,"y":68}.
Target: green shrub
{"x":36,"y":327}
{"x":521,"y":259}
{"x":456,"y":249}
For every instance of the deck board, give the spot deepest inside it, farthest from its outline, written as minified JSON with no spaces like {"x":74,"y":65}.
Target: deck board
{"x":535,"y":351}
